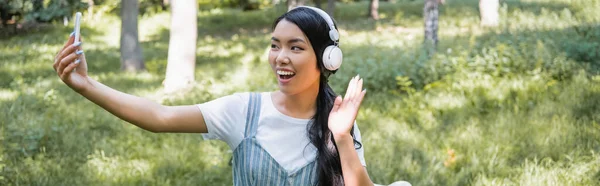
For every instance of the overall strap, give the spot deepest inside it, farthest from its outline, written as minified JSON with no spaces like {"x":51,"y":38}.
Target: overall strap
{"x":254,"y":105}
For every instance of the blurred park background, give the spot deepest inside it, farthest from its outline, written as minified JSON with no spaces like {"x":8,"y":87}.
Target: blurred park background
{"x":460,"y":92}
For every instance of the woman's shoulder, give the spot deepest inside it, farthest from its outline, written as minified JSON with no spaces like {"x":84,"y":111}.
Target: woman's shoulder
{"x":246,"y":95}
{"x":243,"y":97}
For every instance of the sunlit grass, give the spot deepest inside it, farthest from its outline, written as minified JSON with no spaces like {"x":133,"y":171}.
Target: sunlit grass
{"x":7,"y":95}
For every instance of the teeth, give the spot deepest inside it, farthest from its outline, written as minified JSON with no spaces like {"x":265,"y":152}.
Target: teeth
{"x":285,"y":73}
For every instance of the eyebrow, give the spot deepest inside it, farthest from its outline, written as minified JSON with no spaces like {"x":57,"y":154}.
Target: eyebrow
{"x":295,"y":40}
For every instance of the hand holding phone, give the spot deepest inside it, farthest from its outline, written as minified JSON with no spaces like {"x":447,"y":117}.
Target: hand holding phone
{"x":71,"y":57}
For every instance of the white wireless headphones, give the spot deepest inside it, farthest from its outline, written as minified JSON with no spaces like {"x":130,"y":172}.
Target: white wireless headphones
{"x":332,"y":56}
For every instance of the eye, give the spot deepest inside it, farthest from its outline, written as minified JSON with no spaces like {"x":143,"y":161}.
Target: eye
{"x":273,"y":46}
{"x":297,"y":48}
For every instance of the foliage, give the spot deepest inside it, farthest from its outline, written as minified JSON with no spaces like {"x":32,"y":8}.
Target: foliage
{"x":513,"y":105}
{"x":42,"y":10}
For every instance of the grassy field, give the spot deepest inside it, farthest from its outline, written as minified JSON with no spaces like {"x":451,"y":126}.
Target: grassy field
{"x":513,"y":105}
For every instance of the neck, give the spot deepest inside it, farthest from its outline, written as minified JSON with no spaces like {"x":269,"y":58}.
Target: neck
{"x":301,"y":105}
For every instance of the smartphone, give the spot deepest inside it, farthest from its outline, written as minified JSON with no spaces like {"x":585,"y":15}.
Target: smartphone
{"x":77,"y":31}
{"x":77,"y":26}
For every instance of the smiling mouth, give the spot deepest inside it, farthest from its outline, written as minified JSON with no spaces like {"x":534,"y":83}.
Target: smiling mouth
{"x":285,"y":74}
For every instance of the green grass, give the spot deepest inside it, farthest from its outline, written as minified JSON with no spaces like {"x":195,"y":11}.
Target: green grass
{"x":514,"y":105}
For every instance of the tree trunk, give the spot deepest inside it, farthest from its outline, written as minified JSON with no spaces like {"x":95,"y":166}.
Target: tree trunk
{"x":294,"y":3}
{"x":373,"y":6}
{"x":131,"y":51}
{"x":318,"y":3}
{"x":330,"y":7}
{"x":182,"y":45}
{"x":90,"y":9}
{"x":488,"y":11}
{"x":431,"y":14}
{"x":163,"y":4}
{"x":275,"y":2}
{"x":291,"y":4}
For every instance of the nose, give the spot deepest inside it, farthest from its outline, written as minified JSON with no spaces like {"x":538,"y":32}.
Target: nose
{"x":282,"y":58}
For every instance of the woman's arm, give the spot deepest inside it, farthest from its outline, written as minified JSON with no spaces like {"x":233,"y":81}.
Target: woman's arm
{"x":341,"y":120}
{"x":145,"y":113}
{"x":71,"y":66}
{"x":352,"y":170}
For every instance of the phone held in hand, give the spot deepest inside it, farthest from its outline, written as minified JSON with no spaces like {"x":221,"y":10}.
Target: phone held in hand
{"x":77,"y":32}
{"x":77,"y":26}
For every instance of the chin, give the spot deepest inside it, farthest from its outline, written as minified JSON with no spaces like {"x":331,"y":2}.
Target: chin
{"x":286,"y":90}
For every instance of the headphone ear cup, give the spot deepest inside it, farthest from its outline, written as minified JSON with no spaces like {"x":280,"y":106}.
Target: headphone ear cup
{"x":332,"y":58}
{"x":334,"y":35}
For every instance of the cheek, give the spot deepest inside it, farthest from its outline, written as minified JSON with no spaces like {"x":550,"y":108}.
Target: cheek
{"x":310,"y":66}
{"x":314,"y":66}
{"x":272,"y":58}
{"x":316,"y":72}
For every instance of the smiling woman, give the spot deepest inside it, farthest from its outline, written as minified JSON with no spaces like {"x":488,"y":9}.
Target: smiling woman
{"x":300,"y":39}
{"x":301,"y":134}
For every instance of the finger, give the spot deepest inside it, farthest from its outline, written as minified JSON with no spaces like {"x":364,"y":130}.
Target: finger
{"x":67,"y":60}
{"x":69,"y":41}
{"x":351,"y":89}
{"x":67,"y":44}
{"x":348,"y":89}
{"x":336,"y":103}
{"x":68,"y":50}
{"x":355,"y":91}
{"x":358,"y":89}
{"x":360,"y":97}
{"x":64,"y":62}
{"x":69,"y":69}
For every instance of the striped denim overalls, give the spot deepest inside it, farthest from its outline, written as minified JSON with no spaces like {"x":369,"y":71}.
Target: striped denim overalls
{"x":252,"y":165}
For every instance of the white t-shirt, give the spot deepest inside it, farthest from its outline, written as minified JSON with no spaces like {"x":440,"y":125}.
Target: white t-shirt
{"x":285,"y":138}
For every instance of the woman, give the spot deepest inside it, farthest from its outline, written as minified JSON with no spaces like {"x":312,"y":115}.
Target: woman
{"x":301,"y":134}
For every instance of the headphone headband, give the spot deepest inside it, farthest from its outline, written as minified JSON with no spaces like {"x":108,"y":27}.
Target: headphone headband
{"x":333,"y":34}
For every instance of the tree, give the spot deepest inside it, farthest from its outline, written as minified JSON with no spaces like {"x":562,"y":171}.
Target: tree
{"x":373,"y":6}
{"x":431,"y":14}
{"x":90,"y":9}
{"x":131,"y":51}
{"x":488,"y":11}
{"x":182,"y":45}
{"x":163,"y":4}
{"x":275,"y":2}
{"x":330,"y":7}
{"x":294,"y":3}
{"x":38,"y":5}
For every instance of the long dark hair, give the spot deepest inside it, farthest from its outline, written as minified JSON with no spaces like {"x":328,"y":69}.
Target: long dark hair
{"x":316,"y":29}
